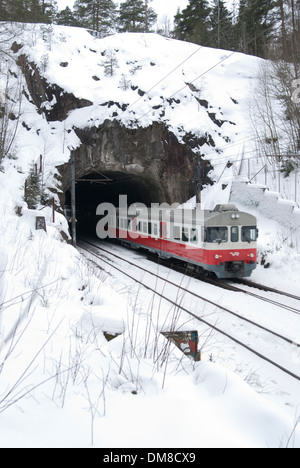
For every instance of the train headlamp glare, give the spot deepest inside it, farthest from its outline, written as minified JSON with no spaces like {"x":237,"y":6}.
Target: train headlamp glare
{"x":235,"y":216}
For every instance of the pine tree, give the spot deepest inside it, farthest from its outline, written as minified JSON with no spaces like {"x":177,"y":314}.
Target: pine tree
{"x":222,"y":28}
{"x":110,"y":63}
{"x":29,"y":11}
{"x":193,"y":24}
{"x":33,"y":188}
{"x":3,"y":10}
{"x":98,"y":15}
{"x":150,"y":16}
{"x":66,"y":17}
{"x":255,"y":26}
{"x":34,"y":193}
{"x":293,"y":34}
{"x":49,"y":10}
{"x":136,"y":16}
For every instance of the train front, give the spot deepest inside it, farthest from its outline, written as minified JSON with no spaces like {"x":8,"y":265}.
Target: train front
{"x":230,"y":242}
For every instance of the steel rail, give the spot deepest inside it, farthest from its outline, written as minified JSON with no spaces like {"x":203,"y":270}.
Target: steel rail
{"x":184,"y":309}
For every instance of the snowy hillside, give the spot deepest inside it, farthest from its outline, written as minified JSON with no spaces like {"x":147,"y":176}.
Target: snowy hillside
{"x":136,"y":79}
{"x":62,"y":384}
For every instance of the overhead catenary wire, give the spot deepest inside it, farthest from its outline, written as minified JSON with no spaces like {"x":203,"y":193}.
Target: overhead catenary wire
{"x":208,"y":44}
{"x":223,"y":59}
{"x":202,"y":74}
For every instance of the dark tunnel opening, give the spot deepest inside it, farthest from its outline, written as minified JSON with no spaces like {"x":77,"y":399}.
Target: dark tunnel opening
{"x":96,"y":188}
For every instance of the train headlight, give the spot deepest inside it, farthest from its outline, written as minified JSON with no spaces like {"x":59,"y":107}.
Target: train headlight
{"x":252,"y":255}
{"x":217,"y":256}
{"x":235,"y":216}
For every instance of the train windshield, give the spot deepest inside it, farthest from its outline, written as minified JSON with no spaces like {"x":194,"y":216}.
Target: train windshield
{"x":249,"y":233}
{"x":217,"y":234}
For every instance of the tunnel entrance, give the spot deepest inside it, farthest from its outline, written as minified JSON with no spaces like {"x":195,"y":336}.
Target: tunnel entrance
{"x":95,"y":188}
{"x":148,"y":165}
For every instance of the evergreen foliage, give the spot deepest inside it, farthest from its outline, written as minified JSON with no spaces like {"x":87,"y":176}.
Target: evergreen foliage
{"x":256,"y":22}
{"x":223,"y":33}
{"x":110,"y":63}
{"x":265,"y":28}
{"x":28,"y":11}
{"x":66,"y":17}
{"x":136,"y":16}
{"x":214,"y":25}
{"x":34,"y":190}
{"x":193,"y":24}
{"x":98,"y":15}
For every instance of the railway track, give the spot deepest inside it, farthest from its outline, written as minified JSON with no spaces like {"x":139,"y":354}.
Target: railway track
{"x":262,"y":287}
{"x":105,"y":256}
{"x":232,"y":286}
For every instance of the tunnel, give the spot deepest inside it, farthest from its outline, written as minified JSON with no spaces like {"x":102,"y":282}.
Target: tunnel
{"x":95,"y":188}
{"x":148,"y":165}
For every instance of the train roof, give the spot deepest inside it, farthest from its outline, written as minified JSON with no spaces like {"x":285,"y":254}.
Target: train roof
{"x":221,"y":214}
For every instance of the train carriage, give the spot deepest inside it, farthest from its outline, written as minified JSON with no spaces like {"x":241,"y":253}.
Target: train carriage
{"x":221,"y":241}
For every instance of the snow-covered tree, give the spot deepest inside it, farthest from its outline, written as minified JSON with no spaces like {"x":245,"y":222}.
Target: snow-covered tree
{"x":110,"y":63}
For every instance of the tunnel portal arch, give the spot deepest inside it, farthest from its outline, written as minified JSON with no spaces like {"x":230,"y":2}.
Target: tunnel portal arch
{"x":148,"y":165}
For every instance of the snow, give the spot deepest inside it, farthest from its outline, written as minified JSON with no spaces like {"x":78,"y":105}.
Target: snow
{"x":62,"y":384}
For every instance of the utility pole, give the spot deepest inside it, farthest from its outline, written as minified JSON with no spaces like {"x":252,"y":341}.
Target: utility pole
{"x":198,"y":181}
{"x":73,"y":198}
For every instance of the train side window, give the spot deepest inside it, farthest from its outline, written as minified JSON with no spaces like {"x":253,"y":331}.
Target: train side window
{"x":155,"y":230}
{"x":176,"y":233}
{"x":234,"y":234}
{"x":194,"y":236}
{"x":145,"y":228}
{"x":150,"y":228}
{"x":185,"y":234}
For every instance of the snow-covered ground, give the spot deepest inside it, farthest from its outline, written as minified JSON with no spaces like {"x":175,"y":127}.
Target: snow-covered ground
{"x":62,"y":384}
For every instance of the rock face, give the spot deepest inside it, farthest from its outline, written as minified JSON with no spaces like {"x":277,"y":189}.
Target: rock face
{"x":151,"y":159}
{"x":149,"y":164}
{"x":41,"y":92}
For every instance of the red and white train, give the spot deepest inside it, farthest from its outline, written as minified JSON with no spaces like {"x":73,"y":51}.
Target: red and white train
{"x":222,"y":241}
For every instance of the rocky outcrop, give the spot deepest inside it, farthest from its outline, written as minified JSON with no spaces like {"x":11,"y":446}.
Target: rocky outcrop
{"x":151,"y":158}
{"x":50,"y":99}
